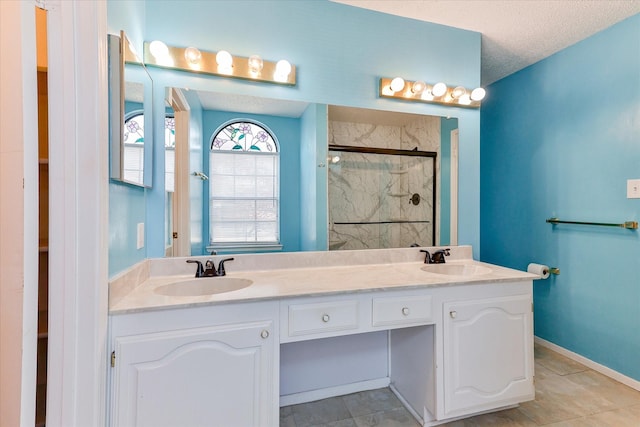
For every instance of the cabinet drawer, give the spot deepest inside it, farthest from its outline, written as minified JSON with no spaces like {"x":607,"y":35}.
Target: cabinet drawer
{"x":305,"y":319}
{"x":401,"y":310}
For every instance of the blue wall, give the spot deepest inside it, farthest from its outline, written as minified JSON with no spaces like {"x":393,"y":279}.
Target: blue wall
{"x":287,"y":132}
{"x":340,"y":56}
{"x":126,"y":210}
{"x":561,"y":138}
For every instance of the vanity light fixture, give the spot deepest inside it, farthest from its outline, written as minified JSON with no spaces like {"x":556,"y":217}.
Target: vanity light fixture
{"x":220,"y":63}
{"x":438,"y":93}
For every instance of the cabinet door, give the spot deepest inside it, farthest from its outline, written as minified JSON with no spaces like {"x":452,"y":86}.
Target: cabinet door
{"x":488,"y":354}
{"x":213,"y":376}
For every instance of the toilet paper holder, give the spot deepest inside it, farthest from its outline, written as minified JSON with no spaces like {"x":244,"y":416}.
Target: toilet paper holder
{"x":543,"y":271}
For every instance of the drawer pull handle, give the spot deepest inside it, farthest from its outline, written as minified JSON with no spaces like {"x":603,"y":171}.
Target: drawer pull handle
{"x":453,"y":314}
{"x":405,"y":311}
{"x":264,"y":334}
{"x":325,"y":318}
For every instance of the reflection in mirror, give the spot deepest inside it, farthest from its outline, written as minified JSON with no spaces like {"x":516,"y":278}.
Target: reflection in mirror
{"x":385,"y":177}
{"x":133,"y":133}
{"x":130,"y":109}
{"x":432,"y":213}
{"x":169,"y":176}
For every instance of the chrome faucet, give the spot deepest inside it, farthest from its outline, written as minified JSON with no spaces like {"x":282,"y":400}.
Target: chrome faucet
{"x":209,"y":269}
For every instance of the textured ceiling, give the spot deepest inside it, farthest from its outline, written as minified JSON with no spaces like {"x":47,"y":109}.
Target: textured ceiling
{"x":515,"y":33}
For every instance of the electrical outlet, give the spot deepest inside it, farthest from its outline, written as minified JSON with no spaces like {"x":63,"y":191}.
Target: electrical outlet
{"x":633,"y":189}
{"x":140,"y":239}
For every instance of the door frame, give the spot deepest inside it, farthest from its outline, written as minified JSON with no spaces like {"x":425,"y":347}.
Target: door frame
{"x":180,"y":207}
{"x":78,"y":212}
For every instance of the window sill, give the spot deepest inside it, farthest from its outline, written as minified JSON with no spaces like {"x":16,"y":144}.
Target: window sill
{"x":244,"y":248}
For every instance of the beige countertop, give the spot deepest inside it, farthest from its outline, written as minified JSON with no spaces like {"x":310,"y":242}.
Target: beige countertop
{"x":325,"y":278}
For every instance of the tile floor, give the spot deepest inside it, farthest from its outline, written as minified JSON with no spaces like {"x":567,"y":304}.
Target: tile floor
{"x":568,"y":394}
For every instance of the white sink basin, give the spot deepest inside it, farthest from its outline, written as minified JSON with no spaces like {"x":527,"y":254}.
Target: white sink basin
{"x":456,"y":269}
{"x":203,"y":286}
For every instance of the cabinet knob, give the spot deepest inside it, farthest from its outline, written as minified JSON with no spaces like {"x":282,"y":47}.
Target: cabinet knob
{"x":405,"y":311}
{"x":453,"y":314}
{"x":264,"y":334}
{"x":325,"y":318}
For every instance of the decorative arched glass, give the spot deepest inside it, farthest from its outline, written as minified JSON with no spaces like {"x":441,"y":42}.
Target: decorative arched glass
{"x":244,"y":187}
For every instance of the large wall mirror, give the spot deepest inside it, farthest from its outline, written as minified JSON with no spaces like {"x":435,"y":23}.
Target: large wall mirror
{"x":386,"y":198}
{"x":130,"y":103}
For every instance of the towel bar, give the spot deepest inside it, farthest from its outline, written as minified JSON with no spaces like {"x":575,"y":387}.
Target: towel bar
{"x":631,"y":225}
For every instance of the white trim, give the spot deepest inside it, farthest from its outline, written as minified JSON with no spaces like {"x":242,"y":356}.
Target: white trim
{"x":18,"y":214}
{"x":453,"y":191}
{"x":615,"y":375}
{"x":248,"y":248}
{"x":78,"y":213}
{"x":341,"y":390}
{"x":181,"y":209}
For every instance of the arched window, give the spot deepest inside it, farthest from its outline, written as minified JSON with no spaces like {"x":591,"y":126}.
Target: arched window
{"x":244,"y":187}
{"x":169,"y":151}
{"x":133,"y":137}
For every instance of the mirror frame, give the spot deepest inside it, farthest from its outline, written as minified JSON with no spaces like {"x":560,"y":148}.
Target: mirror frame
{"x":121,"y":55}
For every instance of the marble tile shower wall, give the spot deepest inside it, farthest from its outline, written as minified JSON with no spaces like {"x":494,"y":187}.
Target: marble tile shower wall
{"x":373,"y":187}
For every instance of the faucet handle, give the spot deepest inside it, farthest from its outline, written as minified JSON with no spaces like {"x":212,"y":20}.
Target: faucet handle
{"x":199,"y":269}
{"x":427,"y":257}
{"x":221,"y":271}
{"x":438,"y":256}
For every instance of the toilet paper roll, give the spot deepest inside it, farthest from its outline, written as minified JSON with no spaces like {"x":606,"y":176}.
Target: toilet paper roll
{"x":539,"y":269}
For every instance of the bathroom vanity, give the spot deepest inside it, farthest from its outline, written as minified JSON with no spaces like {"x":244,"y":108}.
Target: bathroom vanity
{"x":451,"y":340}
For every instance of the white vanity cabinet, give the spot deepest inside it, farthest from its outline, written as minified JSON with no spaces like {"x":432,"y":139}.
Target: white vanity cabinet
{"x":449,"y":346}
{"x":206,"y":366}
{"x":488,"y":351}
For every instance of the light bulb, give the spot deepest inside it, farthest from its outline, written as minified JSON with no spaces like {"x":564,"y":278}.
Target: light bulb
{"x":192,"y":55}
{"x":464,"y":99}
{"x":283,"y":69}
{"x":478,"y":94}
{"x":255,"y":64}
{"x":224,"y":59}
{"x":458,"y":92}
{"x":418,"y":87}
{"x":439,"y":89}
{"x":158,"y":49}
{"x":427,"y":95}
{"x":397,"y":84}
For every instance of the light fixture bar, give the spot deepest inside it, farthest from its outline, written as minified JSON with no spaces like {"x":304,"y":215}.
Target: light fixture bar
{"x":425,"y":93}
{"x":175,"y":59}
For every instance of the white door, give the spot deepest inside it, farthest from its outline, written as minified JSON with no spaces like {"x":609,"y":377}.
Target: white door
{"x":488,"y":354}
{"x":180,"y":201}
{"x":213,"y":376}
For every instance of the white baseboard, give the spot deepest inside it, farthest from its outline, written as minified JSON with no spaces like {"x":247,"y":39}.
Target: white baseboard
{"x":341,"y":390}
{"x":615,"y":375}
